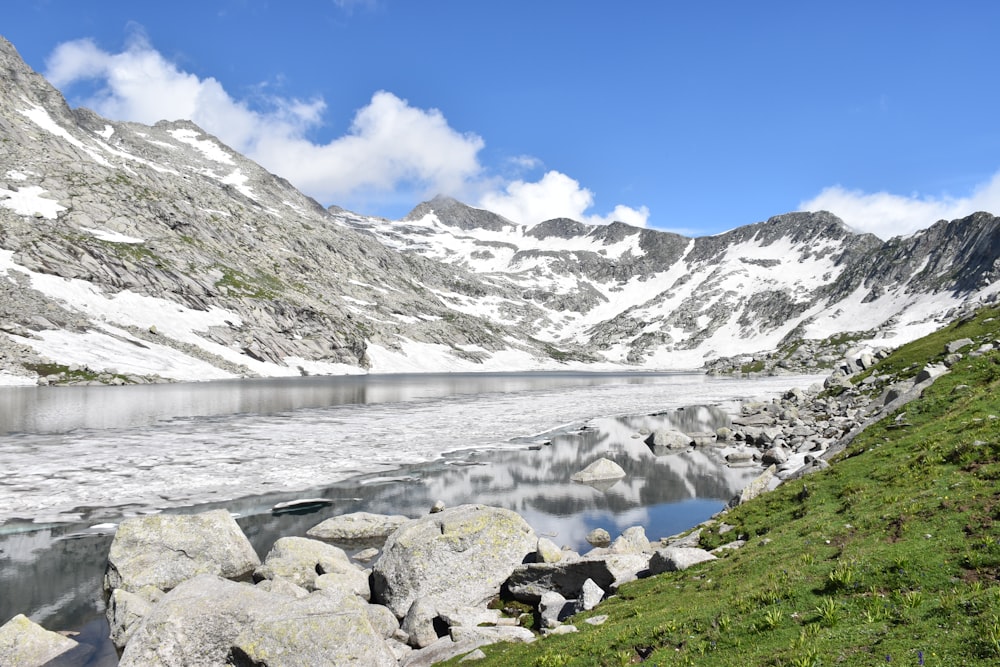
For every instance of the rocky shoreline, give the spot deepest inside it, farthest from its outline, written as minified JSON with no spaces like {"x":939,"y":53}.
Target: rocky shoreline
{"x":190,"y":589}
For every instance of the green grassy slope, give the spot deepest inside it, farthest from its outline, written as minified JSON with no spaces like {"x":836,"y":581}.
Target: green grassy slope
{"x":892,"y":556}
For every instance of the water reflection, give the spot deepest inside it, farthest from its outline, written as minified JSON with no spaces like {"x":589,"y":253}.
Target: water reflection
{"x":64,"y":409}
{"x":54,"y":573}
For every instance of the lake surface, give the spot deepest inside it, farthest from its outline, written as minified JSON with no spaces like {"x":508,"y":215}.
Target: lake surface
{"x":75,"y":460}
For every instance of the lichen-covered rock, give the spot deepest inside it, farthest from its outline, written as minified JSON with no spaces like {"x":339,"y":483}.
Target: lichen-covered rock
{"x":209,"y":621}
{"x":301,"y":560}
{"x":529,"y":582}
{"x":125,"y":611}
{"x":318,"y":631}
{"x":458,"y":556}
{"x":164,"y":550}
{"x":357,"y":527}
{"x":27,"y":644}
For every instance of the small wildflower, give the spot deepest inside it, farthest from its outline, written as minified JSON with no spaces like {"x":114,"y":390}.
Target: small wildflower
{"x":920,"y":657}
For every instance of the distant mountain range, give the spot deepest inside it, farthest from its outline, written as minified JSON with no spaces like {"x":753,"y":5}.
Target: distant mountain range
{"x":133,"y":253}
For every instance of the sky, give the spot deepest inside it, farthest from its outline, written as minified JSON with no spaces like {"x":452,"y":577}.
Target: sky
{"x":688,"y":117}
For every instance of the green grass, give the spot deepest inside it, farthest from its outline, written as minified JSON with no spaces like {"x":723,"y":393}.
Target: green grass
{"x":237,"y":283}
{"x":892,"y":555}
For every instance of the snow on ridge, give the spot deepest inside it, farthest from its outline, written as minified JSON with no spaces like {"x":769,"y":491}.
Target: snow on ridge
{"x":238,"y":180}
{"x":106,"y":132}
{"x":40,"y":117}
{"x":14,"y":175}
{"x":206,"y":147}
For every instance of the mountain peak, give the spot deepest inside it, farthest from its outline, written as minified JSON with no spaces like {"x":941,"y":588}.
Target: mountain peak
{"x":454,"y":213}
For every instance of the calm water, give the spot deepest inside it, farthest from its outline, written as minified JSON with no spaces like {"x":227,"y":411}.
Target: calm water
{"x":74,"y":460}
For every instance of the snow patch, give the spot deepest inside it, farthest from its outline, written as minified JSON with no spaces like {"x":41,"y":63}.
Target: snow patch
{"x":206,"y":147}
{"x":106,"y":132}
{"x":113,"y":237}
{"x":29,"y":202}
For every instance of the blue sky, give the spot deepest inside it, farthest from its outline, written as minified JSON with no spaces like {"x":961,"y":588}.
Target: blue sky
{"x":693,"y":117}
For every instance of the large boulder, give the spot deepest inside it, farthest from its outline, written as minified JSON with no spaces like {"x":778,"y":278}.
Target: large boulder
{"x":459,"y":556}
{"x":358,"y":527}
{"x":164,"y":550}
{"x":301,"y":560}
{"x":209,"y":621}
{"x":319,"y":631}
{"x":27,"y":644}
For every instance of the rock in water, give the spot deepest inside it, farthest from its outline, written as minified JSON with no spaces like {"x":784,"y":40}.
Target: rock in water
{"x":25,"y":643}
{"x":600,"y":470}
{"x":164,"y":550}
{"x":457,"y":557}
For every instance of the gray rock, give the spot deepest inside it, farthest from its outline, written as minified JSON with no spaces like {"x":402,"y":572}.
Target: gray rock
{"x":357,"y":527}
{"x":758,"y":486}
{"x":301,"y":560}
{"x":24,"y":643}
{"x":366,"y":555}
{"x":493,"y":634}
{"x":547,"y":551}
{"x":459,"y":556}
{"x":318,"y":631}
{"x":774,"y":455}
{"x":600,"y":470}
{"x":631,"y":541}
{"x":599,"y":537}
{"x":280,"y":586}
{"x":200,"y":622}
{"x":957,"y":345}
{"x":671,"y":559}
{"x":441,"y":650}
{"x":164,"y":550}
{"x":438,"y":506}
{"x":529,"y":582}
{"x":125,"y":611}
{"x":475,"y":655}
{"x":553,"y":608}
{"x":668,"y":440}
{"x":383,"y":621}
{"x":419,"y":623}
{"x":590,"y":595}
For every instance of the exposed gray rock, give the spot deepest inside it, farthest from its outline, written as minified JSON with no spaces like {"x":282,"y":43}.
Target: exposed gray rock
{"x":958,"y":345}
{"x":667,"y":440}
{"x":27,"y":644}
{"x":598,"y":471}
{"x":419,"y":623}
{"x":548,"y":552}
{"x":670,"y":559}
{"x":357,"y":527}
{"x":590,"y":595}
{"x":599,"y":537}
{"x":317,"y":630}
{"x":632,"y":541}
{"x":164,"y":550}
{"x":302,"y":560}
{"x":756,"y":487}
{"x":553,"y":609}
{"x":460,"y":556}
{"x":125,"y":611}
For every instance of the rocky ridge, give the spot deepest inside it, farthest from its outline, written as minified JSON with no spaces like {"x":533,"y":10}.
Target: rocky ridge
{"x":136,"y":253}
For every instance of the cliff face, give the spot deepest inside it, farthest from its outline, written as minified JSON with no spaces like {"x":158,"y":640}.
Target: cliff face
{"x":133,"y":252}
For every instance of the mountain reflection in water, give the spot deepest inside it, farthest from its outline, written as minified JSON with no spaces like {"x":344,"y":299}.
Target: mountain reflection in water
{"x":54,"y":574}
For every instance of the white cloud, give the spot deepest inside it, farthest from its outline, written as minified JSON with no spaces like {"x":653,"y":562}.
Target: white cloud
{"x":555,"y":195}
{"x":886,"y":215}
{"x":392,"y":150}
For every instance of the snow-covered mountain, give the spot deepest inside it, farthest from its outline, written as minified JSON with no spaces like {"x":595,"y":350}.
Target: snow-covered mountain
{"x":660,"y":300}
{"x":130,"y":253}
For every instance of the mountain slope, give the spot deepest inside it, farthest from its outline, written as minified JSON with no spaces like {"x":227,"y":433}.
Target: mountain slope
{"x":131,"y":253}
{"x":159,"y":251}
{"x":656,"y":299}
